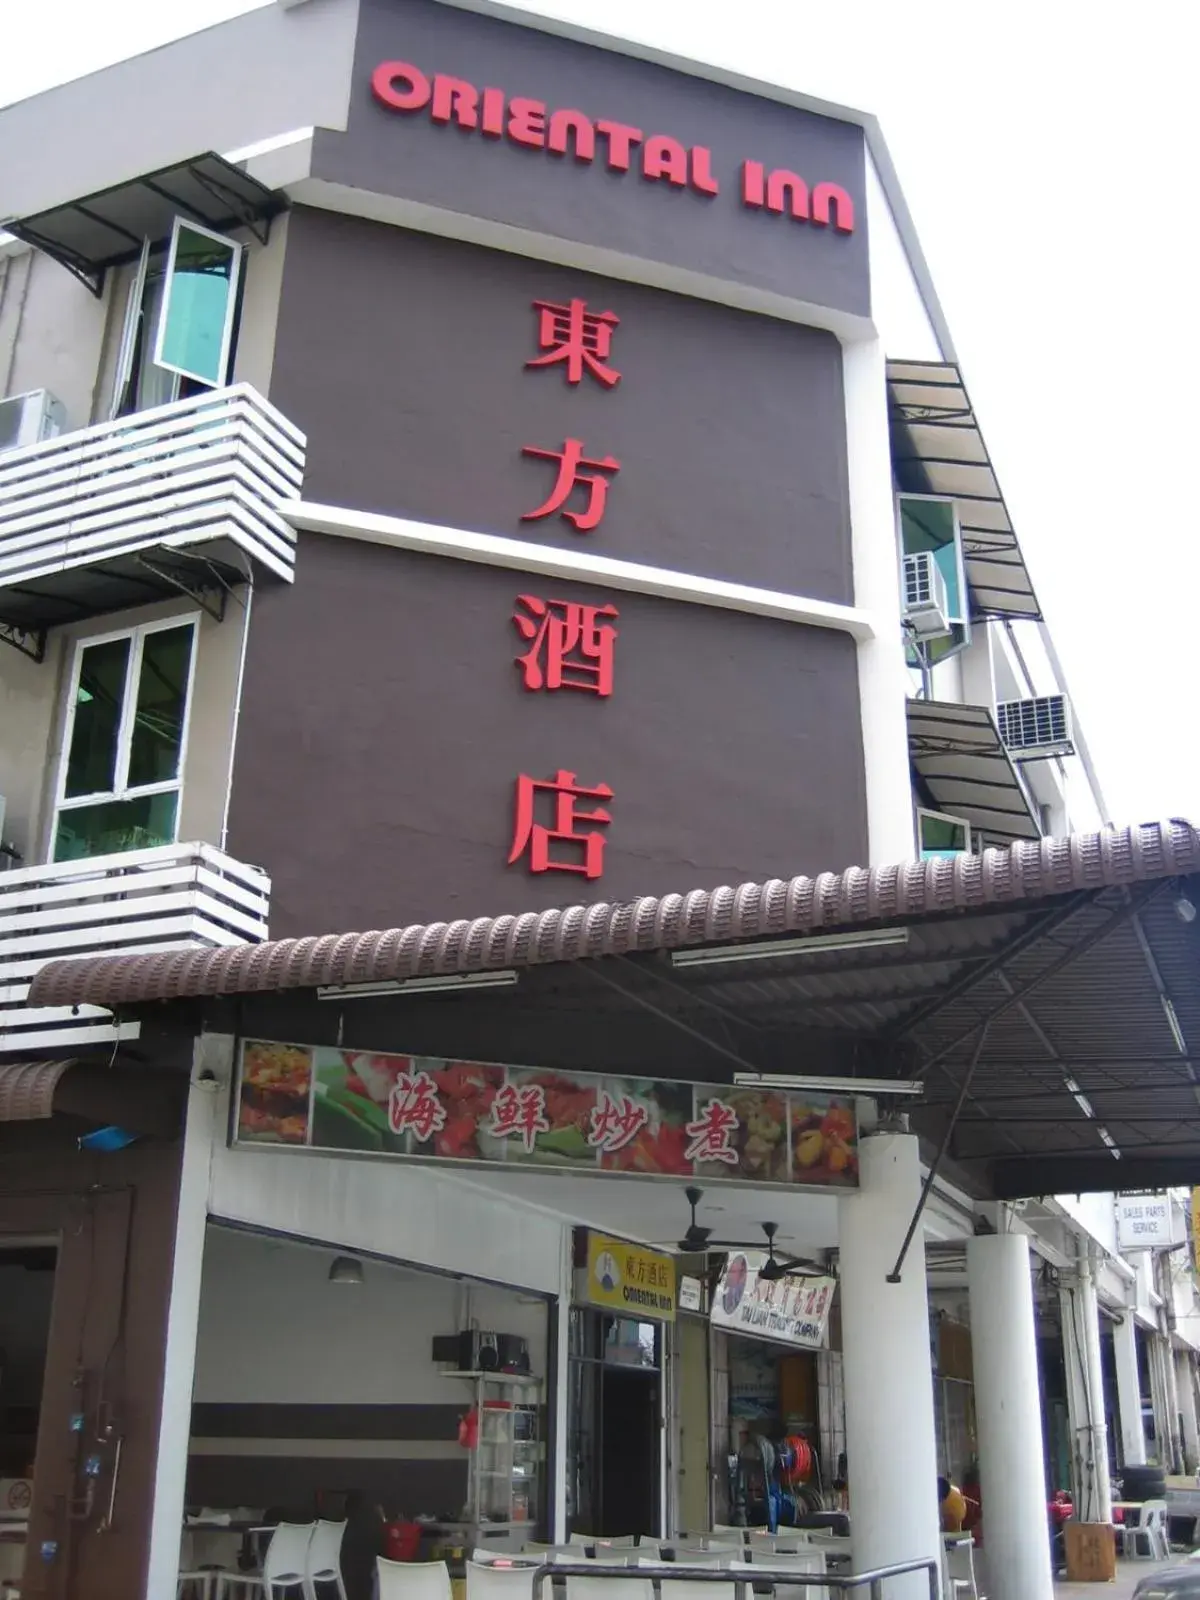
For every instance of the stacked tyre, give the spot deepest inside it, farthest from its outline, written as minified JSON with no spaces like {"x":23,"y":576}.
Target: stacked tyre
{"x":1143,"y":1483}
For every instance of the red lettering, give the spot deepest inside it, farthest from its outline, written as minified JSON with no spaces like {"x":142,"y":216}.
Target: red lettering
{"x":664,"y":157}
{"x":784,"y":188}
{"x":701,"y":172}
{"x":580,"y":127}
{"x":829,"y":194}
{"x":621,"y":140}
{"x":400,"y":86}
{"x":753,"y":184}
{"x":527,"y":122}
{"x":454,"y":100}
{"x":491,"y":121}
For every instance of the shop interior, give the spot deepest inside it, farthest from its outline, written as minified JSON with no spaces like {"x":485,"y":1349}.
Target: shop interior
{"x":614,"y":1462}
{"x":26,"y":1301}
{"x":320,"y":1391}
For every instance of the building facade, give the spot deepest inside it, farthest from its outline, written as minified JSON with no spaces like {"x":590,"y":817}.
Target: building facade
{"x":452,"y":470}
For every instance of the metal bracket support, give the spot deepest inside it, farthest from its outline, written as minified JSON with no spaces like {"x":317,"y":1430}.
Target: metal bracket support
{"x":210,"y":596}
{"x":30,"y":642}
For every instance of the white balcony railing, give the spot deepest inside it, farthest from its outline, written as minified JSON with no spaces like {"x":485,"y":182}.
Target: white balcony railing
{"x":174,"y":897}
{"x":212,"y":468}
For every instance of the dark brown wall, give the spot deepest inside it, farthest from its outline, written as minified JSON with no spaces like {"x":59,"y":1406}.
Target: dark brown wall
{"x":114,"y":1217}
{"x":384,"y":723}
{"x":403,"y":358}
{"x":408,"y":155}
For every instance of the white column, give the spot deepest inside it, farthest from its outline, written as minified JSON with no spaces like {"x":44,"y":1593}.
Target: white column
{"x":1129,"y":1391}
{"x":1085,"y":1395}
{"x":882,"y":675}
{"x":890,"y":1445}
{"x":1185,"y":1385}
{"x":562,"y":1368}
{"x":1009,"y":1418}
{"x":204,"y":1125}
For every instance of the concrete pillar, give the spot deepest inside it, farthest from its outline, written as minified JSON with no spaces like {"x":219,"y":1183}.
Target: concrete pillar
{"x":883,"y":678}
{"x":1129,"y":1391}
{"x":890,"y":1444}
{"x":1009,"y":1418}
{"x":1085,"y":1395}
{"x":1185,"y":1385}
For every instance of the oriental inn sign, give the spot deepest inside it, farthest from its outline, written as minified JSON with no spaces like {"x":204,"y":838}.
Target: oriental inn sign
{"x":620,"y":147}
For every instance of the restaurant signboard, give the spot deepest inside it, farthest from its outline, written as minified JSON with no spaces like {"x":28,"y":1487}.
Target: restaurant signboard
{"x":790,"y":1310}
{"x":433,"y":1109}
{"x":630,"y":1279}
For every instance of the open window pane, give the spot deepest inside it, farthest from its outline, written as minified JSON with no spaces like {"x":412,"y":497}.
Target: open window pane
{"x":161,"y":701}
{"x":99,"y":701}
{"x":932,"y":525}
{"x":196,"y":323}
{"x":114,"y":825}
{"x":942,"y":835}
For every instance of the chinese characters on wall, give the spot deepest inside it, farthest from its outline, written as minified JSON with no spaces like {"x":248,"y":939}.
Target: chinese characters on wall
{"x":559,"y":819}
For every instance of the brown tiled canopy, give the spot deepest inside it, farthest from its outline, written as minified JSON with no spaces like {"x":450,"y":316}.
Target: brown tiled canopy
{"x":831,"y":902}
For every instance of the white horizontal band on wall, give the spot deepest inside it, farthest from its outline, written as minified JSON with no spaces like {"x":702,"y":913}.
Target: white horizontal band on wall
{"x":577,"y":566}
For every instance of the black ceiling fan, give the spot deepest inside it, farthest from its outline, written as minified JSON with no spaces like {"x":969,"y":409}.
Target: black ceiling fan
{"x":699,"y":1240}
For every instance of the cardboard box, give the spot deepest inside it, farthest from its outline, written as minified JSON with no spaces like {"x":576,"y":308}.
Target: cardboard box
{"x":1091,"y":1552}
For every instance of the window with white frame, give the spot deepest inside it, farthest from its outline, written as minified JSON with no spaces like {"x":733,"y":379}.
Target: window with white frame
{"x":123,"y":748}
{"x":180,"y":319}
{"x":941,"y":834}
{"x":929,"y":522}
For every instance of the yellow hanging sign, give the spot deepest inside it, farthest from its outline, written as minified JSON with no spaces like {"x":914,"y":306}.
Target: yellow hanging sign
{"x":629,"y":1279}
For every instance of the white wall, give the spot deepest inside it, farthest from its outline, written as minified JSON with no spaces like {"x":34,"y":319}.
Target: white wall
{"x":1095,"y":1214}
{"x":897,"y":309}
{"x":367,"y":1344}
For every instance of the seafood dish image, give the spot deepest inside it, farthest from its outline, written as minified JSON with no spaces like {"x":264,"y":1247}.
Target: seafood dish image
{"x":273,"y":1105}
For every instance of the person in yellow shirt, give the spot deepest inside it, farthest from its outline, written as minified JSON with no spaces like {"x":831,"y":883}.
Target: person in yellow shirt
{"x":952,"y":1504}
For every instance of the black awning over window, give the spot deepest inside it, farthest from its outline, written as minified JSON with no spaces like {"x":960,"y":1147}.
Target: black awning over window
{"x":90,"y":235}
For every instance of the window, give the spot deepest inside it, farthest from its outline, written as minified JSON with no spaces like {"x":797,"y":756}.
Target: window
{"x":180,"y":319}
{"x":927,"y":523}
{"x":942,"y":835}
{"x":124,"y":745}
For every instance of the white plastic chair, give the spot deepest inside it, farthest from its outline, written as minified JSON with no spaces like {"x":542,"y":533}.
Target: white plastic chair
{"x":808,"y":1561}
{"x":1150,"y":1529}
{"x":617,"y":1541}
{"x":325,"y":1558}
{"x":486,"y":1581}
{"x":710,"y":1560}
{"x":693,"y":1589}
{"x":608,"y":1585}
{"x":413,"y":1580}
{"x":284,"y":1567}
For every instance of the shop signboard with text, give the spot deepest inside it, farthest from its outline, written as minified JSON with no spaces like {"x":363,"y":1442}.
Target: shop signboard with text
{"x":792,"y":1309}
{"x":1144,"y":1222}
{"x":630,"y":1279}
{"x":423,"y":1107}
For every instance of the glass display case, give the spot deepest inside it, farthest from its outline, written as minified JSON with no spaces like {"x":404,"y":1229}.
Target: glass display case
{"x":506,"y":1459}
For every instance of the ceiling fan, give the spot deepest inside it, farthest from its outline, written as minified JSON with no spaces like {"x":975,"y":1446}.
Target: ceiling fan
{"x":699,"y":1240}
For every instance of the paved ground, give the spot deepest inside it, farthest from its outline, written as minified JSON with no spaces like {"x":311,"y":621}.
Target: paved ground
{"x":1128,"y":1574}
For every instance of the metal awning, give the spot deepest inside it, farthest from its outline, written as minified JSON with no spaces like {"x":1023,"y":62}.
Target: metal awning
{"x":27,"y":1088}
{"x":99,"y":231}
{"x":962,"y":767}
{"x":937,"y":448}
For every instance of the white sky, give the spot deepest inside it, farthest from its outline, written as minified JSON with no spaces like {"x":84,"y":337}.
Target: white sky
{"x":1049,"y":158}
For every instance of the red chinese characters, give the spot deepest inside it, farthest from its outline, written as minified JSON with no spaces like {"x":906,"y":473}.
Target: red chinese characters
{"x":711,"y":1134}
{"x":578,"y":338}
{"x":570,"y":646}
{"x":571,"y":826}
{"x":414,"y":1107}
{"x":615,"y":1123}
{"x":570,"y":459}
{"x":519,"y":1113}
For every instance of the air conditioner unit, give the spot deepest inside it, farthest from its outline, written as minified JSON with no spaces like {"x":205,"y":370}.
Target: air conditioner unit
{"x":30,"y":418}
{"x":1036,"y":728}
{"x":925,"y":605}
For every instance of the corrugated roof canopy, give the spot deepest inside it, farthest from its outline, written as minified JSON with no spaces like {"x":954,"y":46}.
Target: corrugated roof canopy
{"x":1053,"y":986}
{"x":963,"y":767}
{"x":89,"y":235}
{"x":937,"y":448}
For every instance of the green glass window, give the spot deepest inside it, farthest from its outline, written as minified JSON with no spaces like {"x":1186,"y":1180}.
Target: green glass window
{"x":195,"y":329}
{"x":122,"y":770}
{"x":942,"y":835}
